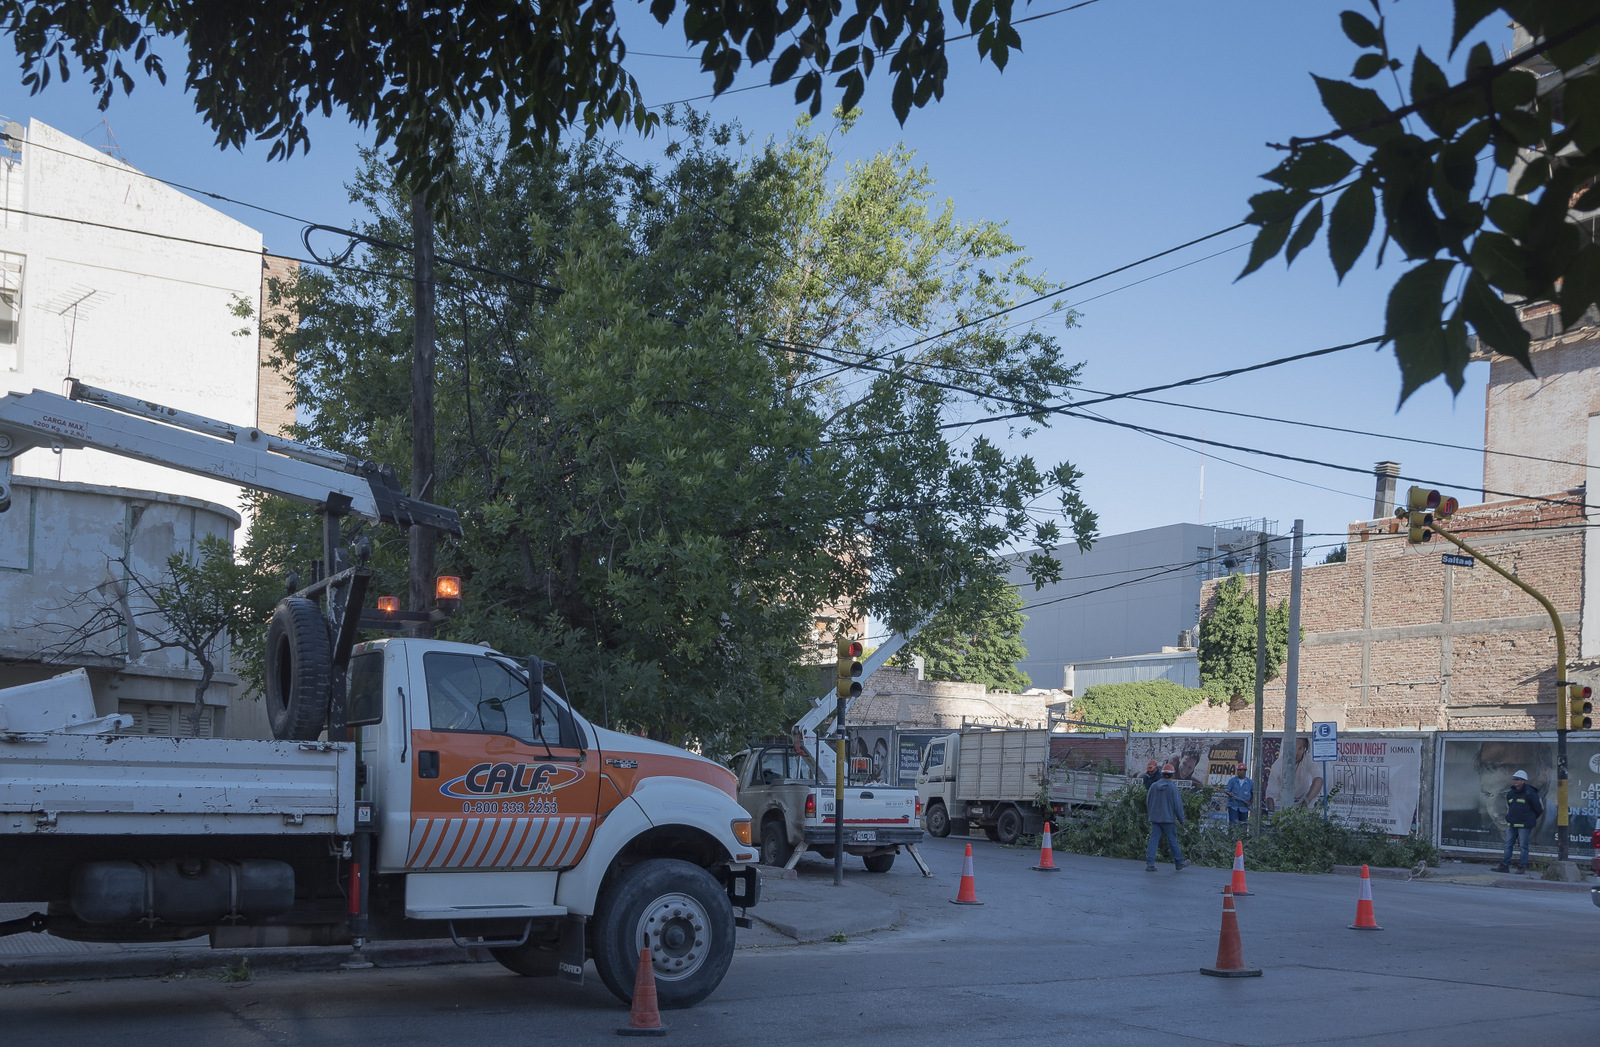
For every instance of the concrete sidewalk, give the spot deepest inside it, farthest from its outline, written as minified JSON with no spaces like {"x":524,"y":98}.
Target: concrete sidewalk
{"x":794,"y":908}
{"x":807,"y":907}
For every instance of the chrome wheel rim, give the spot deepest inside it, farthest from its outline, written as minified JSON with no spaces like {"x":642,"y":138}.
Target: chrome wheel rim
{"x":676,"y":930}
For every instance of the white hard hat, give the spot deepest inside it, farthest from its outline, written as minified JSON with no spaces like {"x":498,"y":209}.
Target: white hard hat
{"x":1521,"y":774}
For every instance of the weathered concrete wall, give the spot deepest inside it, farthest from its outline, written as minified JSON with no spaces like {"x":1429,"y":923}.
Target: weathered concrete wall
{"x":68,"y":553}
{"x":1395,"y":639}
{"x":902,"y":698}
{"x":1543,"y":417}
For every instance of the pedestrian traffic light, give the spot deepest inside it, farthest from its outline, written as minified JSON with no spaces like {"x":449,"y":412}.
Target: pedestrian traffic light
{"x":1579,"y":707}
{"x":849,"y":668}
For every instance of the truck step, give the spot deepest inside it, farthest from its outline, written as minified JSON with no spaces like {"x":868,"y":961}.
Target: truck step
{"x":485,"y":912}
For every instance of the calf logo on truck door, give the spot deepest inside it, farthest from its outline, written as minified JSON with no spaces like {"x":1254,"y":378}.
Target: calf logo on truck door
{"x":510,"y":792}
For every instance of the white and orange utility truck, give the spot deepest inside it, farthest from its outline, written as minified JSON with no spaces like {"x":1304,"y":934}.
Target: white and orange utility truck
{"x":416,"y":788}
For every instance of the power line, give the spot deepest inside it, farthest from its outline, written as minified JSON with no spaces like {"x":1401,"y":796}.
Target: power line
{"x":124,"y":168}
{"x":1354,"y":432}
{"x":1072,"y":411}
{"x":1037,"y":409}
{"x":1039,"y":298}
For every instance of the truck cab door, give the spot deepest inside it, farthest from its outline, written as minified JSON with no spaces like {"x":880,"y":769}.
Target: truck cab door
{"x":494,"y":786}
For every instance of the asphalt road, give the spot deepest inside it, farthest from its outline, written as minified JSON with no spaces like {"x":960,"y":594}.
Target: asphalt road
{"x":1101,"y":953}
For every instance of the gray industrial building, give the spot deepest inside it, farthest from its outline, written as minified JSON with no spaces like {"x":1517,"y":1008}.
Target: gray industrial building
{"x":1132,"y":594}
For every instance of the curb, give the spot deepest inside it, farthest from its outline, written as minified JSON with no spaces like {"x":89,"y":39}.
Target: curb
{"x":1375,"y":872}
{"x":776,"y":872}
{"x":1543,"y":885}
{"x":187,"y":962}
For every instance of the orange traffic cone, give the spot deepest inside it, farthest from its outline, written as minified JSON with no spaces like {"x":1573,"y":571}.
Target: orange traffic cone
{"x":1046,"y":854}
{"x":968,"y":894}
{"x":1238,"y":886}
{"x":1365,"y":919}
{"x":644,"y":1019}
{"x":1230,"y":950}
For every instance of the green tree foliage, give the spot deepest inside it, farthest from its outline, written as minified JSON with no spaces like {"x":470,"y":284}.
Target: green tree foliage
{"x":976,"y":637}
{"x":650,"y":485}
{"x":1148,"y":705}
{"x":418,"y":72}
{"x":1338,"y":554}
{"x":1228,"y":640}
{"x":1298,"y":840}
{"x":1409,"y":170}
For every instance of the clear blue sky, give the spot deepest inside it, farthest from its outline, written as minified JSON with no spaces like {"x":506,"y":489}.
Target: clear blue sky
{"x":1121,"y":129}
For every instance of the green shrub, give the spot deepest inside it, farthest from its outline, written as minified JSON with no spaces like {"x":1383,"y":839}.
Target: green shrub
{"x":1148,"y":705}
{"x":1297,"y":840}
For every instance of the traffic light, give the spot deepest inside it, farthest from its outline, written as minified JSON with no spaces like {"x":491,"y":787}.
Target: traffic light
{"x":1579,"y":707}
{"x":1422,"y":507}
{"x":849,"y":668}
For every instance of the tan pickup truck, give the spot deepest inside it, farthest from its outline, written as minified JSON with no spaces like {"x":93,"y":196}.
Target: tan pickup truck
{"x":793,"y":811}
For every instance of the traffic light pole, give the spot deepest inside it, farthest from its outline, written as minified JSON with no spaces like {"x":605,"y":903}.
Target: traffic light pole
{"x":1561,"y":680}
{"x":847,"y":688}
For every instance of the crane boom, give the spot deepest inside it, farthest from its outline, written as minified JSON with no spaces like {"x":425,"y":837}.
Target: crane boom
{"x":805,"y":729}
{"x":241,"y":455}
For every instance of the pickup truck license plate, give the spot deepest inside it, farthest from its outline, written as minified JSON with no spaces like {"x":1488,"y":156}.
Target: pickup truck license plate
{"x":866,"y":836}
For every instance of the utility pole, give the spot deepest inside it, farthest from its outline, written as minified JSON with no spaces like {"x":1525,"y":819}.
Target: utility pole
{"x":1261,"y":675}
{"x":1291,"y":679}
{"x":423,"y":539}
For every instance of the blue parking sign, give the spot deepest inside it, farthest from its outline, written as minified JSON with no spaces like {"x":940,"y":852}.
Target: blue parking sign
{"x":1325,"y":742}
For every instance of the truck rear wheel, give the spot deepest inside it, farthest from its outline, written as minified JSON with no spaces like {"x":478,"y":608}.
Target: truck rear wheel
{"x":775,"y":846}
{"x":938,"y":820}
{"x":1008,"y":826}
{"x":681,"y":914}
{"x":299,"y":659}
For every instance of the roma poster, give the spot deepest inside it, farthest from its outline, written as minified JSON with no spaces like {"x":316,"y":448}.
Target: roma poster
{"x":1475,"y":772}
{"x":1204,"y":759}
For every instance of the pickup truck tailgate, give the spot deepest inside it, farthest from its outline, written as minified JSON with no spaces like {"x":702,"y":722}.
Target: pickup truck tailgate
{"x":872,"y":807}
{"x":110,"y":784}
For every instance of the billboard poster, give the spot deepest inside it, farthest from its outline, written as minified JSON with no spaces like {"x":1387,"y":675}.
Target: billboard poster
{"x":1475,"y":772}
{"x":1375,"y":781}
{"x":869,"y":754}
{"x":911,"y":746}
{"x":1205,"y":760}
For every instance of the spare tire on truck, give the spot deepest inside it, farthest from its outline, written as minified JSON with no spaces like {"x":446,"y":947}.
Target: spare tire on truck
{"x":298,"y":665}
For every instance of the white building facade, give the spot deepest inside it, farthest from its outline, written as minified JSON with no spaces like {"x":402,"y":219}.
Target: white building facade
{"x":1131,"y":594}
{"x":124,"y":283}
{"x":117,"y":280}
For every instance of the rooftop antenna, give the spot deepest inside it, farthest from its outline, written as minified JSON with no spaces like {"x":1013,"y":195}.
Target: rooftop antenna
{"x":111,"y":147}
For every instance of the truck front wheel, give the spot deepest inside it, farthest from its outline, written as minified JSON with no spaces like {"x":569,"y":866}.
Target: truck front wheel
{"x":938,"y":820}
{"x":677,"y":911}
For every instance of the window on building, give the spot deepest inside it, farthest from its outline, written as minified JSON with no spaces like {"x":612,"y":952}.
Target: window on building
{"x":10,"y":297}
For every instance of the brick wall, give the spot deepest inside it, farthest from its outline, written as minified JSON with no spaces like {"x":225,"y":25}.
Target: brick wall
{"x":274,"y":389}
{"x":1395,"y":639}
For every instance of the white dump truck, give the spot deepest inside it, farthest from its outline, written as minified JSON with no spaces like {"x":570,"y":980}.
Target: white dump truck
{"x":417,"y":788}
{"x":991,"y":777}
